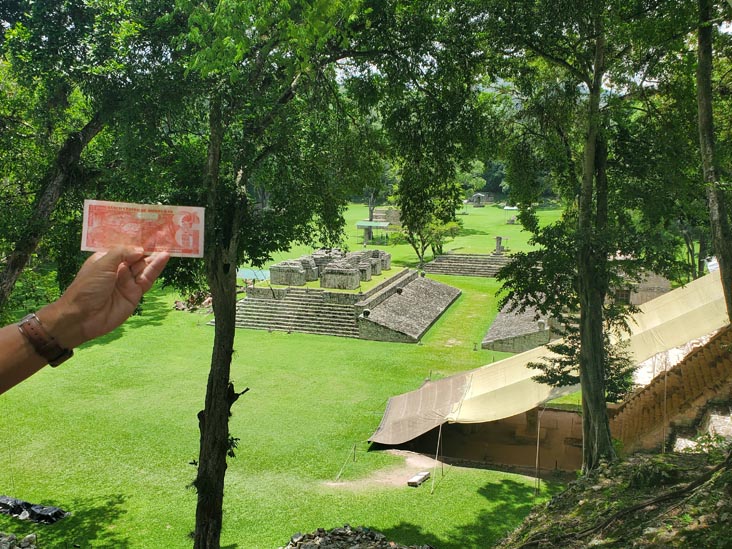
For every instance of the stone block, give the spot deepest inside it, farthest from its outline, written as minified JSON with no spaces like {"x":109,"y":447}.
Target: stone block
{"x":324,"y":257}
{"x":340,"y":276}
{"x":287,"y":273}
{"x":385,"y":258}
{"x":375,"y":265}
{"x":310,"y":268}
{"x":364,"y":269}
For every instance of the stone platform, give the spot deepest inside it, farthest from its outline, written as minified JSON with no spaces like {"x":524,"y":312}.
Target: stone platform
{"x":400,"y":309}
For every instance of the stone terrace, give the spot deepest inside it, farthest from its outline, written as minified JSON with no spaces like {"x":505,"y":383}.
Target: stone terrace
{"x":486,"y":265}
{"x":297,"y":310}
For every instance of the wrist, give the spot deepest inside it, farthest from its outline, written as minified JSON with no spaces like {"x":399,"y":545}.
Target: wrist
{"x":63,"y":323}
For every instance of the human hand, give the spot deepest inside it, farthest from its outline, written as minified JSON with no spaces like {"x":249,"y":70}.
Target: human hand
{"x":105,"y":292}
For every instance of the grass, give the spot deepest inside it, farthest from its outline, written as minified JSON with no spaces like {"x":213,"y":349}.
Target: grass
{"x":480,"y":227}
{"x":110,"y":434}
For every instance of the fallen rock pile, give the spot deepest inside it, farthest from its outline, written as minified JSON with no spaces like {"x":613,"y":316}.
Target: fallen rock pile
{"x":9,"y":541}
{"x":346,"y":538}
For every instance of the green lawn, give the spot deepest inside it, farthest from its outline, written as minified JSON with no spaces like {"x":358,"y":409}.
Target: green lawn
{"x":109,"y":435}
{"x":480,"y":228}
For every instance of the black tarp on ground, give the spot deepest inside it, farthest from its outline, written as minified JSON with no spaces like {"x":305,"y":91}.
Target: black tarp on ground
{"x":28,"y":511}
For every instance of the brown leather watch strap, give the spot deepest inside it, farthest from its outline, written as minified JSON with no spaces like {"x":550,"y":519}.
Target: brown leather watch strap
{"x":43,"y":343}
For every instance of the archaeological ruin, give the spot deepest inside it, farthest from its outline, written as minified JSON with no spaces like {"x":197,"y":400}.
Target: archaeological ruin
{"x":401,"y":308}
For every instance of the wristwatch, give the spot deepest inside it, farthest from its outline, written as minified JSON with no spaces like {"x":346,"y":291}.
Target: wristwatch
{"x":43,"y":342}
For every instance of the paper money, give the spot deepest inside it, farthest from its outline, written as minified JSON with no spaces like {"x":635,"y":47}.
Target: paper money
{"x":177,"y":230}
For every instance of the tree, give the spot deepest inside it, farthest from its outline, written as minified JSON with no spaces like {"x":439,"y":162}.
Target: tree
{"x":277,"y":135}
{"x":716,"y":196}
{"x":380,"y":181}
{"x":588,"y":45}
{"x":426,"y":208}
{"x":261,"y":77}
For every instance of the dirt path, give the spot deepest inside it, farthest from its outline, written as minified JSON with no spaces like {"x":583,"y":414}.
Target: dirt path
{"x":392,"y":476}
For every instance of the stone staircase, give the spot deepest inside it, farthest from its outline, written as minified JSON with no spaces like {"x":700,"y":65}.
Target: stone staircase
{"x":486,"y":265}
{"x":676,"y":401}
{"x":297,"y":310}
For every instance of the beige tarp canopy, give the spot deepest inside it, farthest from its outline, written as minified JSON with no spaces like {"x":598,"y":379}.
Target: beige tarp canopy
{"x":506,"y":388}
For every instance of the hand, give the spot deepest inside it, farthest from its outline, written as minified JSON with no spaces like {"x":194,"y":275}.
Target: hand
{"x":105,"y":292}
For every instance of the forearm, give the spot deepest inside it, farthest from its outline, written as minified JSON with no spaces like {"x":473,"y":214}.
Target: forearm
{"x":19,"y":359}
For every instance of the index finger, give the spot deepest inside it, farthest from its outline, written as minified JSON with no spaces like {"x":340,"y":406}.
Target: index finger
{"x":111,"y":259}
{"x":154,"y":265}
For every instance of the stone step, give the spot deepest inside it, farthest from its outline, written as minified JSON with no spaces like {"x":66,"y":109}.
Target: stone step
{"x":467,"y":265}
{"x":297,"y":298}
{"x":462,"y":267}
{"x":295,"y":301}
{"x":463,"y":272}
{"x":292,"y":320}
{"x":295,"y":320}
{"x":469,"y":259}
{"x":300,"y":329}
{"x":309,"y":311}
{"x":304,"y":330}
{"x":300,"y":311}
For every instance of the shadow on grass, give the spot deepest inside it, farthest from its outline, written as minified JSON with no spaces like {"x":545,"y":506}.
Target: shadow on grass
{"x":475,"y":232}
{"x":509,"y":502}
{"x":153,"y":311}
{"x":91,"y":524}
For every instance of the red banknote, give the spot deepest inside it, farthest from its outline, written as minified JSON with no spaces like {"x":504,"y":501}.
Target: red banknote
{"x":155,"y":228}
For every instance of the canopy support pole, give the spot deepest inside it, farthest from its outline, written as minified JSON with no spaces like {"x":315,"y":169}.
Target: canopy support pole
{"x":437,"y":455}
{"x":537,"y":487}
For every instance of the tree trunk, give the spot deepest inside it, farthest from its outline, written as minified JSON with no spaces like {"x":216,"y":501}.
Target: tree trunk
{"x":45,"y":202}
{"x":591,"y":273}
{"x":369,"y":232}
{"x":221,"y":256}
{"x":719,"y":221}
{"x":703,"y":253}
{"x":691,"y":260}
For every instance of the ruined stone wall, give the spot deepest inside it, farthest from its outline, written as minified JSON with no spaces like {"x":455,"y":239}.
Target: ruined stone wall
{"x":650,"y":287}
{"x":334,"y":268}
{"x":287,"y":273}
{"x":521,"y":343}
{"x":266,"y":292}
{"x":378,"y":332}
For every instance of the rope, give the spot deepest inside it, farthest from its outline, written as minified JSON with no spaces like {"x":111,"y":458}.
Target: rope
{"x":338,"y":476}
{"x":437,"y":455}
